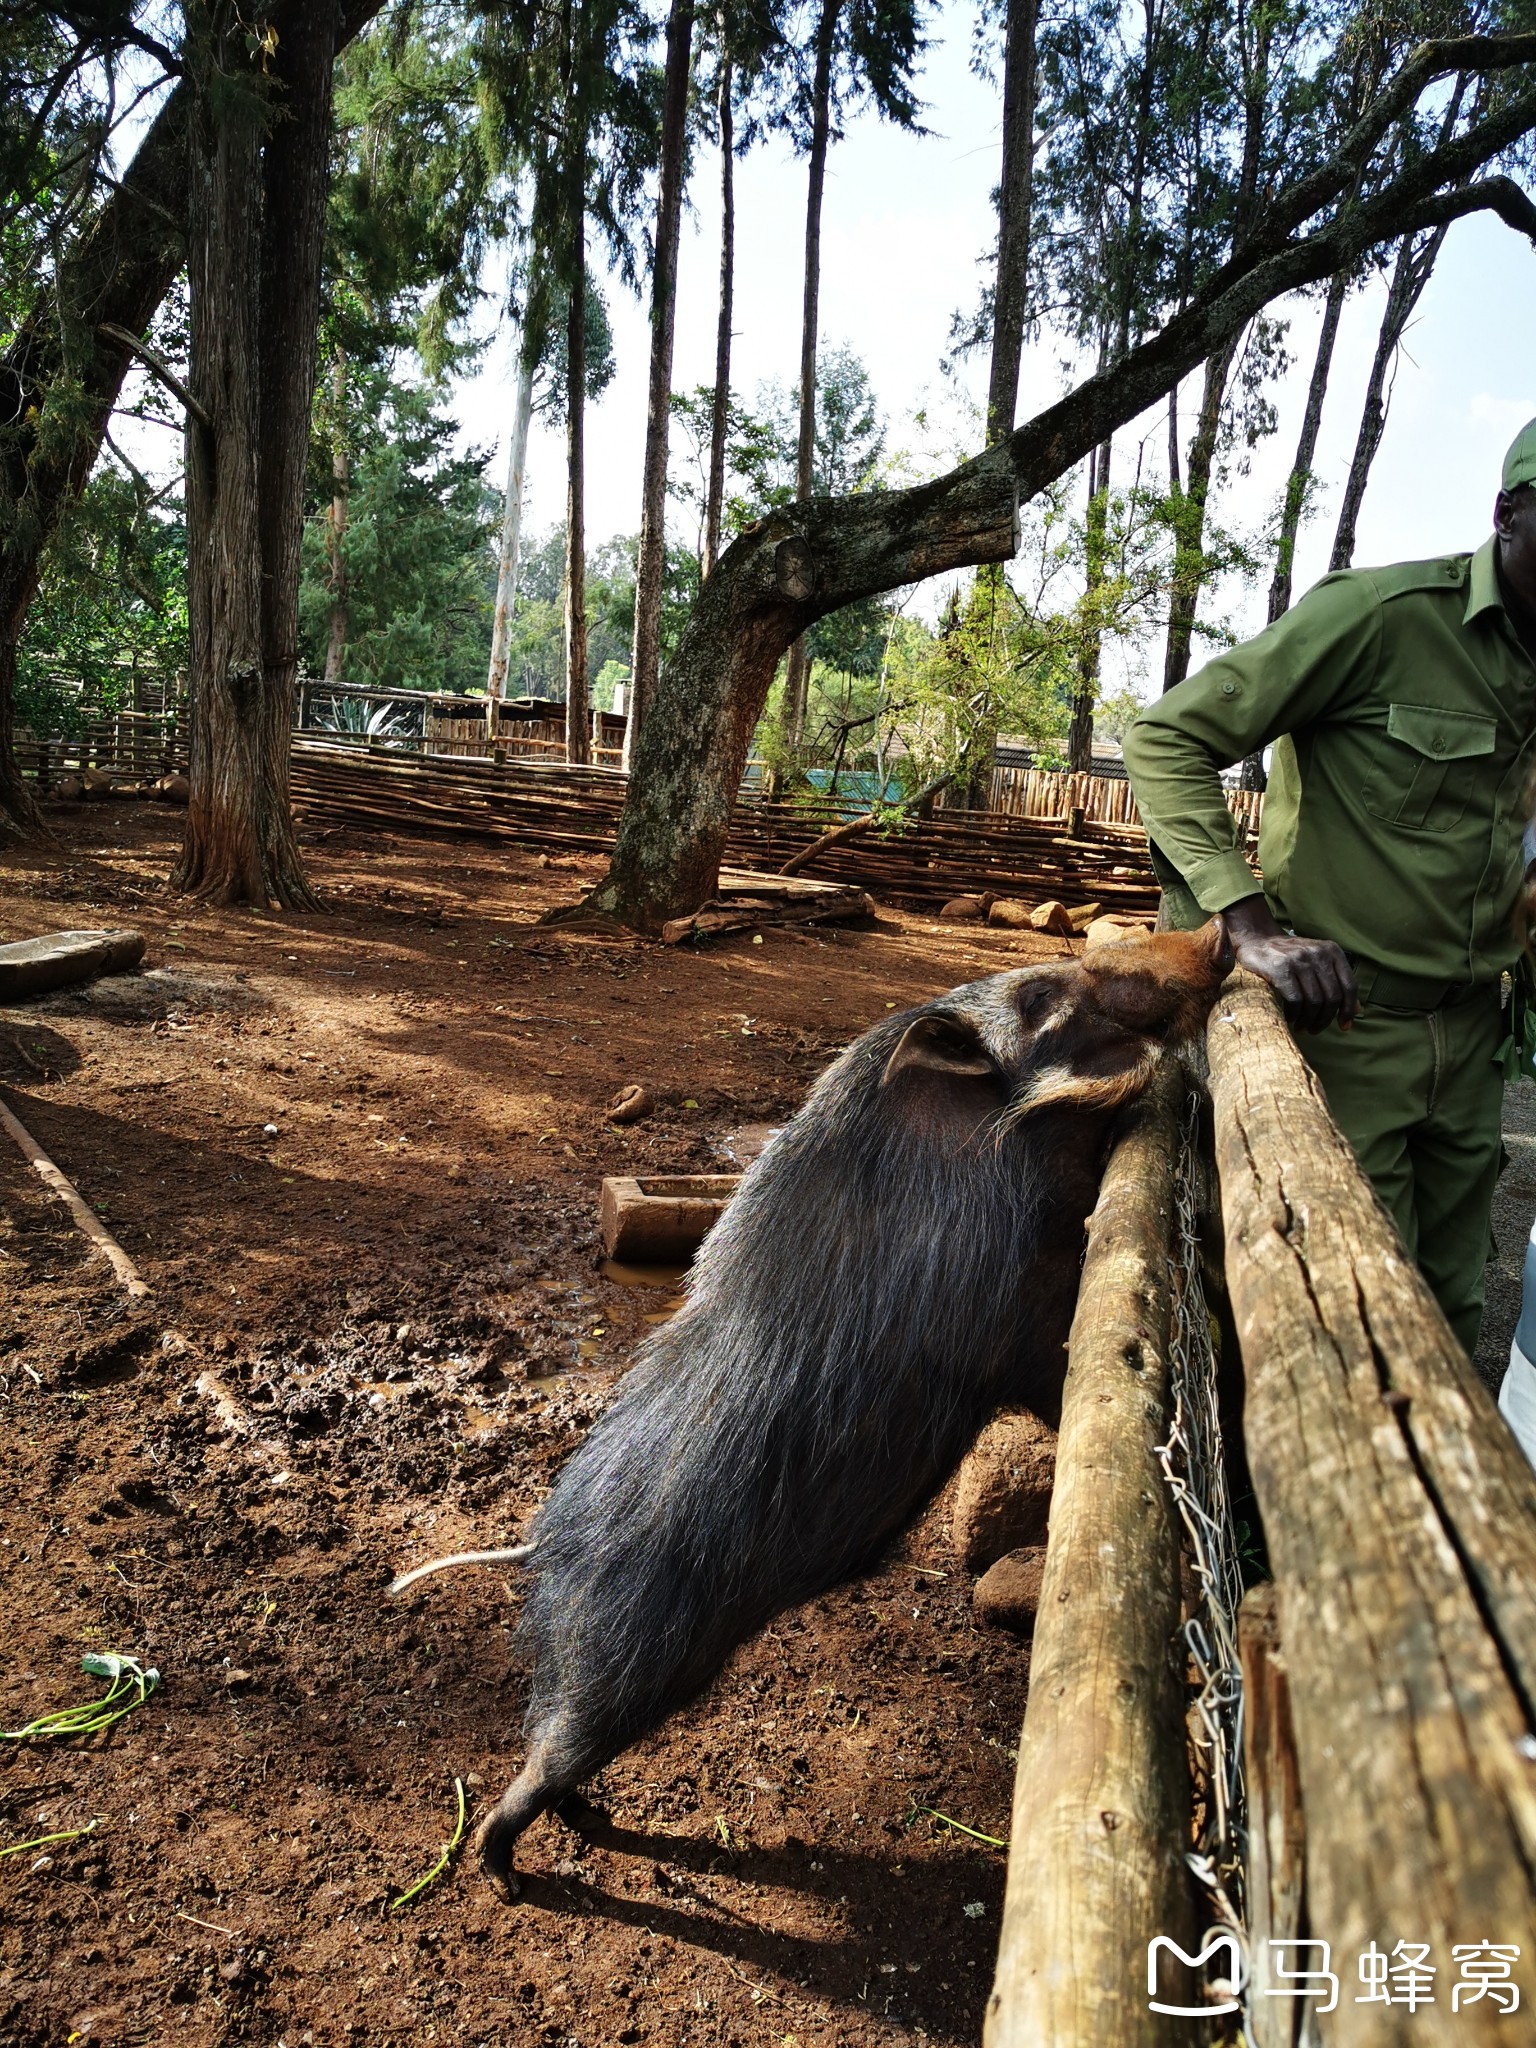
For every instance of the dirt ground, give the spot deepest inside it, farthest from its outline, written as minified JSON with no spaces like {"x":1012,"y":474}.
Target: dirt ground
{"x":357,"y":1157}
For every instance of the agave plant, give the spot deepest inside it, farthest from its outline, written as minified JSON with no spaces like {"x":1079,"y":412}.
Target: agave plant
{"x":356,"y":714}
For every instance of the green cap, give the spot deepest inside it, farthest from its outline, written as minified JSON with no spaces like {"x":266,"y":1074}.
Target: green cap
{"x":1520,"y":462}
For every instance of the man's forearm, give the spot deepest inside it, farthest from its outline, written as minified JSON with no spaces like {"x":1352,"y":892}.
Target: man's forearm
{"x":1178,"y":791}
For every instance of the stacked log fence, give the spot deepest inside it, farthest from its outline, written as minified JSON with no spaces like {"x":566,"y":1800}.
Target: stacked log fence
{"x":396,"y":785}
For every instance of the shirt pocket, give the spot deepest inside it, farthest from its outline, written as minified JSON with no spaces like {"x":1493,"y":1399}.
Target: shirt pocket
{"x":1424,"y":768}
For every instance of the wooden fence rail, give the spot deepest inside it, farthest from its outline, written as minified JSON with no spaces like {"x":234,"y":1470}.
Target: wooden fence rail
{"x":372,"y":784}
{"x":1101,"y":1808}
{"x":1397,"y":1648}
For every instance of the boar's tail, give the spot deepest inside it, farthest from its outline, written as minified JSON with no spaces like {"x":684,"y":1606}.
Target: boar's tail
{"x":448,"y":1564}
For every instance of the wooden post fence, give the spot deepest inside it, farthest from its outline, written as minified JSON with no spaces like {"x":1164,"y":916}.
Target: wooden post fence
{"x":1101,"y":1810}
{"x":1396,"y":1652}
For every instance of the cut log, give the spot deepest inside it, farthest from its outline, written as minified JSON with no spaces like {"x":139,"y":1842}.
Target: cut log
{"x":32,"y":967}
{"x":741,"y":913}
{"x":1003,"y":1491}
{"x":1101,"y":1810}
{"x":657,"y":1221}
{"x":64,"y":1190}
{"x":1009,"y":914}
{"x":1400,"y":1517}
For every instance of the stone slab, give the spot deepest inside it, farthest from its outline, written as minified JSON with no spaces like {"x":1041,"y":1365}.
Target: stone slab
{"x":34,"y":967}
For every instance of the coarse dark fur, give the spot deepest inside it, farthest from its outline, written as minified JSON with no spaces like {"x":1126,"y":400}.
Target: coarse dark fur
{"x":901,"y":1260}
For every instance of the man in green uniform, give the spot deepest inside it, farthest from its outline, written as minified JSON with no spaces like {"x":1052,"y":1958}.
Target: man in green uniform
{"x":1401,"y":705}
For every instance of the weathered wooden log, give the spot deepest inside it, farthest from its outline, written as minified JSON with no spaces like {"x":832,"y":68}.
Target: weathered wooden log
{"x":1276,"y":1874}
{"x":1101,"y":1809}
{"x":1401,"y":1523}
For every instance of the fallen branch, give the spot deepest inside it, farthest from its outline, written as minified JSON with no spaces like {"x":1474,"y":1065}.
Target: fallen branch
{"x":84,"y":1215}
{"x":851,"y":828}
{"x":712,"y":920}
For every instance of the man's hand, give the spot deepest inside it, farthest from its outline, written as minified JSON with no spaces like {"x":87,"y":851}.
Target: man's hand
{"x":1312,"y":977}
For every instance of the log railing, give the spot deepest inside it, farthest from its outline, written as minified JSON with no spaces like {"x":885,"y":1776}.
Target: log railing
{"x":1101,"y":1810}
{"x":1395,"y":1656}
{"x":1389,"y":1664}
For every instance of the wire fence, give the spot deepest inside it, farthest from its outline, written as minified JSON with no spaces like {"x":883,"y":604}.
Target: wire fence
{"x":1195,"y":1470}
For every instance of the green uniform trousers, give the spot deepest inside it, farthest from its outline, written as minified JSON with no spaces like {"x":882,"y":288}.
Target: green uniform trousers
{"x":1420,"y":1097}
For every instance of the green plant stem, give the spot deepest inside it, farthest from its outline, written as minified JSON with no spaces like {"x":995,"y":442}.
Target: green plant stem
{"x":442,"y":1862}
{"x":39,"y":1841}
{"x":992,"y":1841}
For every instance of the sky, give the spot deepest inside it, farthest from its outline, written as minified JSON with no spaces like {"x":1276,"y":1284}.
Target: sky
{"x":907,"y":222}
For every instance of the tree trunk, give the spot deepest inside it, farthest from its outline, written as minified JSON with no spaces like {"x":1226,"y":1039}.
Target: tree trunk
{"x":1410,"y":274}
{"x":577,"y":740}
{"x":1189,"y":526}
{"x":796,"y":566}
{"x":796,"y":669}
{"x":121,"y":269}
{"x":258,"y":183}
{"x":336,"y":524}
{"x":118,"y":273}
{"x":1014,"y":205}
{"x":719,"y":415}
{"x":1080,"y":731}
{"x":651,"y":556}
{"x":511,"y":530}
{"x":1299,"y":482}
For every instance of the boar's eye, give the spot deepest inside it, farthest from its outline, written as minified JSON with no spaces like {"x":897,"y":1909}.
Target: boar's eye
{"x":939,"y":1044}
{"x":1037,"y":1000}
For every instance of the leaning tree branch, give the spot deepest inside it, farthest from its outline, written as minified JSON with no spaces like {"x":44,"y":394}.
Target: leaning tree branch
{"x":1440,"y":58}
{"x":806,"y":560}
{"x":154,"y":362}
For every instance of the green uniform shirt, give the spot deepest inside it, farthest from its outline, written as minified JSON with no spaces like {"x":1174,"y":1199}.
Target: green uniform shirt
{"x":1402,"y":708}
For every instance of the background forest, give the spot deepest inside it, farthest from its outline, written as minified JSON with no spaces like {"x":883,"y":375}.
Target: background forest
{"x":495,"y":184}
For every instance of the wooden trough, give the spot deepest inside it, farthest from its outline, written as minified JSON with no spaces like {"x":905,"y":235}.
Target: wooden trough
{"x":1390,"y":1668}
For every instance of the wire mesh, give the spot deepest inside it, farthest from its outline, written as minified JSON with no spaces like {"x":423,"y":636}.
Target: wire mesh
{"x":1195,"y":1470}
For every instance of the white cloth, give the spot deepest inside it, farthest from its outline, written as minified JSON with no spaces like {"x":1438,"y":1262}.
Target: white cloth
{"x":1517,"y":1400}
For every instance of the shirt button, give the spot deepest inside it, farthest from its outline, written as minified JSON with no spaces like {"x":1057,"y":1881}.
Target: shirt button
{"x":1229,"y":689}
{"x":1438,"y":743}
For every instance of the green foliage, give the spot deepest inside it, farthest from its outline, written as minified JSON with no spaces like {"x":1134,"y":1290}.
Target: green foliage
{"x":536,"y":641}
{"x":417,"y":550}
{"x":111,"y":606}
{"x":423,"y":189}
{"x":1116,"y":713}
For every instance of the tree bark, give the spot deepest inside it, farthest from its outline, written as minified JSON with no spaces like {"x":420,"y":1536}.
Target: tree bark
{"x":651,"y":555}
{"x":1189,"y":529}
{"x":1096,"y":526}
{"x":1299,"y":481}
{"x":1410,"y":274}
{"x":719,"y":414}
{"x":1400,"y":1520}
{"x":511,"y":529}
{"x":577,"y":740}
{"x":336,"y":524}
{"x":1015,"y":202}
{"x":797,"y":667}
{"x":799,"y":564}
{"x":258,"y":184}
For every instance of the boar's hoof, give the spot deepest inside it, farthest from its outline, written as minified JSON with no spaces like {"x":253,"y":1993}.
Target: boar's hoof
{"x":495,"y":1841}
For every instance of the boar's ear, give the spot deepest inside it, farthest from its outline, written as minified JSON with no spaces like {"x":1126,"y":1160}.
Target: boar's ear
{"x":940,"y":1044}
